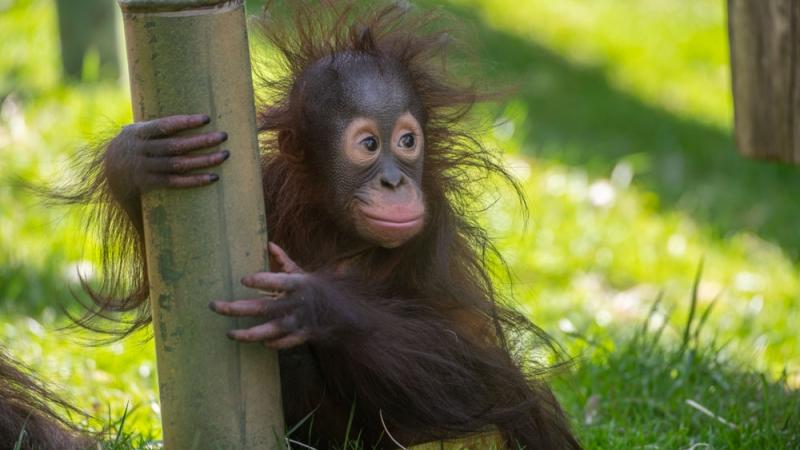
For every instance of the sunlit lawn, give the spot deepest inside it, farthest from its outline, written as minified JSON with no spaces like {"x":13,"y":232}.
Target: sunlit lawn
{"x":620,"y":132}
{"x":625,"y":110}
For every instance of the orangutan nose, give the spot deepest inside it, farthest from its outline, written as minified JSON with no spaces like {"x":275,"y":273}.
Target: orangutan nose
{"x":392,"y":178}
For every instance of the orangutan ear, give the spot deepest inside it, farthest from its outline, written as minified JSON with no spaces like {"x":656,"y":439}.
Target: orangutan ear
{"x":287,"y":144}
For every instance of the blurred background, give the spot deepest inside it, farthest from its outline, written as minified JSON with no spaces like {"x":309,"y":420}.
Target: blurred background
{"x":620,"y":131}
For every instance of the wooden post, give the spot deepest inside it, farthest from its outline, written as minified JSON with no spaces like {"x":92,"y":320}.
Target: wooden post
{"x":88,"y":26}
{"x":187,"y":57}
{"x":765,"y":62}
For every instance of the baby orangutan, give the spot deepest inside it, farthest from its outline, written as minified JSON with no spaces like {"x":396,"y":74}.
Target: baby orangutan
{"x":382,"y":302}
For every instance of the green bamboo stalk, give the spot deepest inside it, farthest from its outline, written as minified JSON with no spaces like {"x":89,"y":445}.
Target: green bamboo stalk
{"x":188,"y":57}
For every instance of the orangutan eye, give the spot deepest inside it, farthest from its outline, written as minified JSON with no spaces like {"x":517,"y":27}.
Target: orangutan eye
{"x":408,"y":140}
{"x":370,"y":143}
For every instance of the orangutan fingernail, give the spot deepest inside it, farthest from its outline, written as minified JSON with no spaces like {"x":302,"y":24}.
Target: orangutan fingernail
{"x":226,"y":154}
{"x":213,"y":177}
{"x":212,"y":306}
{"x":206,"y":119}
{"x":230,"y":335}
{"x":223,"y":136}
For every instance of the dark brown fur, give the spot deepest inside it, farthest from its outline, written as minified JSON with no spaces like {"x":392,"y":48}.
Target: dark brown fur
{"x":437,"y":354}
{"x":28,"y":413}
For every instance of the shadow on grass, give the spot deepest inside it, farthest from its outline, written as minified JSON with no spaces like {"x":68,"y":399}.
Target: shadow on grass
{"x":30,"y":291}
{"x":576,"y":117}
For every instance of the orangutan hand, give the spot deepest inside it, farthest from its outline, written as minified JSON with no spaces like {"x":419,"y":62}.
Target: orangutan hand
{"x":149,"y":155}
{"x":290,"y":307}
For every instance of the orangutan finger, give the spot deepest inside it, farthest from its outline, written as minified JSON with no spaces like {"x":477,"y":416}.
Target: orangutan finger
{"x":180,"y":181}
{"x":263,"y":332}
{"x":184,"y":144}
{"x":166,"y":126}
{"x":281,"y":261}
{"x":270,"y":307}
{"x":183,"y":164}
{"x":288,"y":341}
{"x":240,"y":308}
{"x":272,"y":281}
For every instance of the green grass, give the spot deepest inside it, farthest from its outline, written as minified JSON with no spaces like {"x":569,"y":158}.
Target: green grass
{"x":620,"y":133}
{"x":649,"y":394}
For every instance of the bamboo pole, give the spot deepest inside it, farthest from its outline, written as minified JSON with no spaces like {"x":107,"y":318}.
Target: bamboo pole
{"x":186,"y":57}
